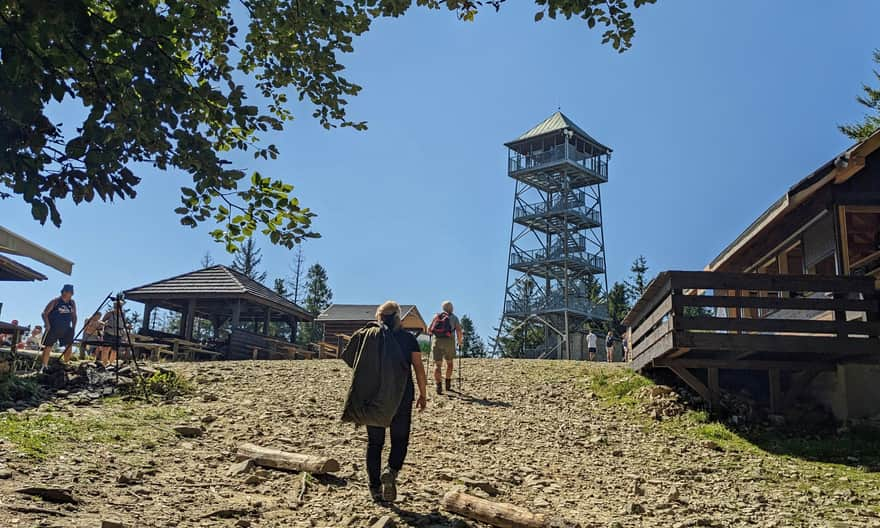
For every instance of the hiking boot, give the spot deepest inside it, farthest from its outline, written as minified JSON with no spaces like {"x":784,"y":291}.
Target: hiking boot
{"x":376,"y":493}
{"x":448,"y":384}
{"x":439,"y":388}
{"x":389,"y":485}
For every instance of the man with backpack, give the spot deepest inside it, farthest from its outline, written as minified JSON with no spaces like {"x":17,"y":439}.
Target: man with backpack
{"x":445,"y":331}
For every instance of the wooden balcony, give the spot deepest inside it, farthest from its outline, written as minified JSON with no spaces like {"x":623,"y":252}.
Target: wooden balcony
{"x":712,"y":321}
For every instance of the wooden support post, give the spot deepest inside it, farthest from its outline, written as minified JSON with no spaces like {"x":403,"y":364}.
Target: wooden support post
{"x":148,"y":314}
{"x":189,"y":319}
{"x":776,"y":402}
{"x":714,"y":389}
{"x":236,"y":315}
{"x":840,"y":315}
{"x":292,"y":321}
{"x":267,"y":319}
{"x":496,"y":513}
{"x":273,"y":458}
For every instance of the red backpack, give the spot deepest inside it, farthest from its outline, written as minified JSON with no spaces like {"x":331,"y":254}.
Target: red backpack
{"x":441,"y":326}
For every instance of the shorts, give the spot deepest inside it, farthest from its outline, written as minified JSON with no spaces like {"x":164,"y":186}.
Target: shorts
{"x":592,"y":351}
{"x":62,"y":335}
{"x":443,"y":348}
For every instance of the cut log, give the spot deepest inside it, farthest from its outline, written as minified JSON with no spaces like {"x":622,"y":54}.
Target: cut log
{"x":497,"y":513}
{"x":273,"y":458}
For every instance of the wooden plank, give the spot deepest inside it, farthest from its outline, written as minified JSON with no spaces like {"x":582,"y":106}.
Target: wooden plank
{"x":662,"y":346}
{"x":775,"y":382}
{"x":654,"y":318}
{"x":782,"y":303}
{"x":746,"y":364}
{"x":830,"y":345}
{"x":805,"y":326}
{"x":716,"y":280}
{"x":657,"y":290}
{"x":685,"y":375}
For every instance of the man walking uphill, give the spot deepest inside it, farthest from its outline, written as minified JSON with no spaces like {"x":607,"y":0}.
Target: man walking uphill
{"x":59,"y":318}
{"x":445,"y":331}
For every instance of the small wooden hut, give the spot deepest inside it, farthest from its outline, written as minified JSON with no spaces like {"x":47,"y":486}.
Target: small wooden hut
{"x":339,"y":321}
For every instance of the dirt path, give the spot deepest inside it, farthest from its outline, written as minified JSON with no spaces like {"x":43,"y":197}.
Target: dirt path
{"x":534,"y":431}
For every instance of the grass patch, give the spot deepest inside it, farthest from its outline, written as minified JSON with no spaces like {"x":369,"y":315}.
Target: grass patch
{"x":617,"y":384}
{"x":160,"y":386}
{"x":46,"y":435}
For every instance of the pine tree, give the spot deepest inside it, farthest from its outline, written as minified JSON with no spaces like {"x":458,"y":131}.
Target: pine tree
{"x":870,"y":100}
{"x":247,"y":260}
{"x":280,"y":287}
{"x":318,"y":297}
{"x":472,"y":345}
{"x":637,"y":284}
{"x":207,"y":260}
{"x":515,"y":337}
{"x":296,"y":281}
{"x":618,"y":306}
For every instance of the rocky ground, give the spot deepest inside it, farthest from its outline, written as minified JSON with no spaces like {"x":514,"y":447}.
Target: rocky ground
{"x":588,"y":442}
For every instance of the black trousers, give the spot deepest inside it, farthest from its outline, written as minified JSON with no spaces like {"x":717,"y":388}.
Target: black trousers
{"x":400,"y":426}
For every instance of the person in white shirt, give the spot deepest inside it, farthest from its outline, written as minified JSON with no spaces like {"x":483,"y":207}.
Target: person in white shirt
{"x":591,"y":344}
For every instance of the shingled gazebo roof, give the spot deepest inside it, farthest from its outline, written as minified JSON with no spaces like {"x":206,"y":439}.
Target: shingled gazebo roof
{"x":214,"y":283}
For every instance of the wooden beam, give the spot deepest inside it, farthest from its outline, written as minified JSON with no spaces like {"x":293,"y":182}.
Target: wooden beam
{"x":775,"y":382}
{"x":788,"y":303}
{"x":643,"y":356}
{"x":685,"y":375}
{"x":745,"y":364}
{"x":714,"y":388}
{"x":829,"y":346}
{"x":840,"y":327}
{"x":716,"y":280}
{"x":273,"y":458}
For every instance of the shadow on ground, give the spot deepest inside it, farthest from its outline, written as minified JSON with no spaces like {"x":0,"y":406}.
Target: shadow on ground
{"x":466,"y":398}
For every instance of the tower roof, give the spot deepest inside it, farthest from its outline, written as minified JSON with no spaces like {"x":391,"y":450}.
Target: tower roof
{"x":555,"y":123}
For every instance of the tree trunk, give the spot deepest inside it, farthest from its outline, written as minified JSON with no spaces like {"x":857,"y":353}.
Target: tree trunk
{"x":494,"y":513}
{"x":273,"y":458}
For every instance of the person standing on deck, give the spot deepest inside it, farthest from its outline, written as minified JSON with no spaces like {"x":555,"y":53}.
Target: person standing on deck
{"x":59,"y":318}
{"x":609,"y":347}
{"x":591,"y":344}
{"x":445,"y":331}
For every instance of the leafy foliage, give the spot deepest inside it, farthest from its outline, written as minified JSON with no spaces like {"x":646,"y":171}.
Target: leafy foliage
{"x":180,"y":86}
{"x":163,"y":385}
{"x":14,"y":388}
{"x":618,"y":306}
{"x":472,"y":344}
{"x":871,"y":100}
{"x":248,"y":260}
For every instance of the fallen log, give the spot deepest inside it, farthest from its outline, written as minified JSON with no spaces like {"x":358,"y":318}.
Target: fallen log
{"x":275,"y":459}
{"x":497,"y":513}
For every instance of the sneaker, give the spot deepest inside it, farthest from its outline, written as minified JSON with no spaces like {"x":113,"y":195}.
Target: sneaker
{"x":439,"y":388}
{"x":376,"y":494}
{"x":448,"y":384}
{"x":389,"y":485}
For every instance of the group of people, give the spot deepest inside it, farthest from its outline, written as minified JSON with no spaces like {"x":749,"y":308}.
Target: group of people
{"x":99,"y":333}
{"x":390,"y":407}
{"x":592,"y":349}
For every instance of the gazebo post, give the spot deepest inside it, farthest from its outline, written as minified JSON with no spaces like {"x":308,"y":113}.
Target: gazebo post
{"x":267,"y":318}
{"x":148,"y":314}
{"x":292,"y":322}
{"x":190,"y":317}
{"x":236,"y":315}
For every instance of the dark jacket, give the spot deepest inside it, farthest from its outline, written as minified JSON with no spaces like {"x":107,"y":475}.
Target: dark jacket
{"x":379,"y":376}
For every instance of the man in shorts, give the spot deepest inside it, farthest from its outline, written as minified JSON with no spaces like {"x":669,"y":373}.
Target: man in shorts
{"x":445,"y":331}
{"x":591,"y":345}
{"x":59,"y":318}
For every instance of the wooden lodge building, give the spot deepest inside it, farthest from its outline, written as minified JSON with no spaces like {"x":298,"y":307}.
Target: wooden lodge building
{"x":340,"y":321}
{"x":793,"y":300}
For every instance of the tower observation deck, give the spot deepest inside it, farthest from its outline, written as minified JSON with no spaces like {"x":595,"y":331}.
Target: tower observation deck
{"x":556,"y":281}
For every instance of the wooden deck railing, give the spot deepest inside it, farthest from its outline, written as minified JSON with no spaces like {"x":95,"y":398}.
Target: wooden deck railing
{"x":736,"y":320}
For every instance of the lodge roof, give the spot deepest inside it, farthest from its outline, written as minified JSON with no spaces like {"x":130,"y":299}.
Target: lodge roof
{"x":553,"y":124}
{"x":356,"y":312}
{"x":217,"y":282}
{"x":837,"y":170}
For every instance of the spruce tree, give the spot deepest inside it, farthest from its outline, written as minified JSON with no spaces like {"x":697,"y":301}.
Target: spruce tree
{"x":871,"y":100}
{"x":472,"y":345}
{"x":638,"y":283}
{"x":247,"y":261}
{"x":318,"y":297}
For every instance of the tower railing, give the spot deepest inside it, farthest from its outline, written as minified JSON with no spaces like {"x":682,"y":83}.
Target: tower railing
{"x":592,"y":163}
{"x":539,"y":255}
{"x":576,"y":203}
{"x":554,"y":302}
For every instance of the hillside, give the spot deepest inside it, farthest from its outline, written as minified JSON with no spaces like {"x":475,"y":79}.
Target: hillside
{"x":569,"y":438}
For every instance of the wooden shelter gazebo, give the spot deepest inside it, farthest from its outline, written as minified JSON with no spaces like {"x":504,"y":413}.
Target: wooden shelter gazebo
{"x":235,"y":305}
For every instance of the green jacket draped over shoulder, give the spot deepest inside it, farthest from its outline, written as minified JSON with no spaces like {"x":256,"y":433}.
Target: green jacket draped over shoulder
{"x":379,"y":376}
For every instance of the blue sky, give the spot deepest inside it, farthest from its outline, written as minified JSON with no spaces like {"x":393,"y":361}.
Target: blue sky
{"x":718,"y":109}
